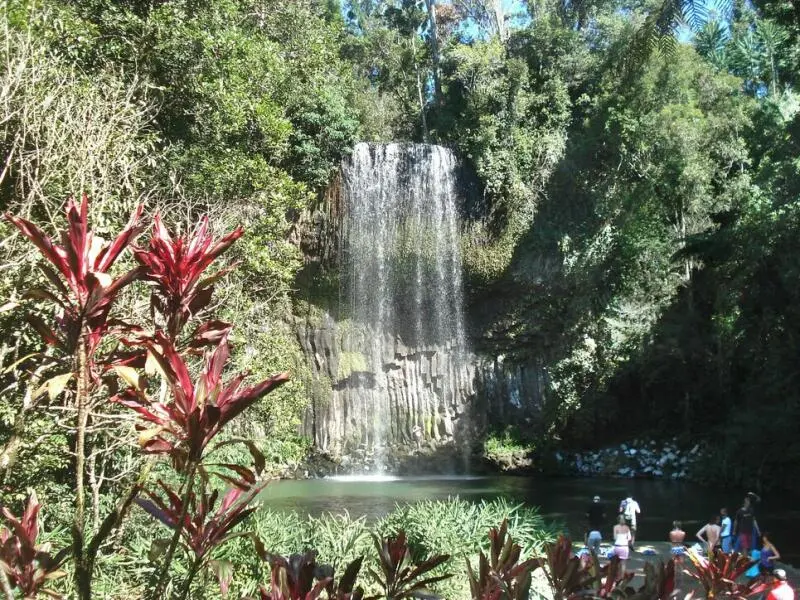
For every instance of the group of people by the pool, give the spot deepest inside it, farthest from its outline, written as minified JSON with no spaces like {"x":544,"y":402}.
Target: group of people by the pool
{"x":721,"y":533}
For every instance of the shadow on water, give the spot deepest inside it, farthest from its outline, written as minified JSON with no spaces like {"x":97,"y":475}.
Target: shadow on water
{"x":559,"y":499}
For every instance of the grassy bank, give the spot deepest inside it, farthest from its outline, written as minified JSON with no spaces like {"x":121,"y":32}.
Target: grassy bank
{"x":454,"y":527}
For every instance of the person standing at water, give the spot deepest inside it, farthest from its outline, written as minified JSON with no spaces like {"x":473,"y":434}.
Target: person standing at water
{"x":629,"y":509}
{"x":596,"y":516}
{"x":743,"y":525}
{"x":726,"y":534}
{"x":622,"y":539}
{"x":677,"y":537}
{"x":712,"y":532}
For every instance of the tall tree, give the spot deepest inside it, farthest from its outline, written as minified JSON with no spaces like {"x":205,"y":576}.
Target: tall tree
{"x":433,"y":34}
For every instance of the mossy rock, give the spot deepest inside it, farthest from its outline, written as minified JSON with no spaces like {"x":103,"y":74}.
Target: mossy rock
{"x":350,"y":362}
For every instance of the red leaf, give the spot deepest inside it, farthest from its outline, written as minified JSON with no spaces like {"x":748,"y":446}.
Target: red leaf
{"x":132,"y":230}
{"x":249,"y":395}
{"x":41,"y":241}
{"x":175,"y":266}
{"x":210,"y":333}
{"x":47,"y":334}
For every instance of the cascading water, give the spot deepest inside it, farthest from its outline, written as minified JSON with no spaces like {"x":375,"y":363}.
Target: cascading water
{"x":394,"y":384}
{"x":402,"y":272}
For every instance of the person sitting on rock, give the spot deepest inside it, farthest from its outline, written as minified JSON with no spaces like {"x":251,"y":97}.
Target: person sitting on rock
{"x":677,"y":537}
{"x":712,"y":532}
{"x":595,"y":515}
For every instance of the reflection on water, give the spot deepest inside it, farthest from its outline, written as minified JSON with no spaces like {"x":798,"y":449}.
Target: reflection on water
{"x":560,"y":499}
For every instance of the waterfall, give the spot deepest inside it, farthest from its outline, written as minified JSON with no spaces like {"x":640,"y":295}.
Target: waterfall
{"x":395,"y":385}
{"x":402,"y":286}
{"x":401,"y":244}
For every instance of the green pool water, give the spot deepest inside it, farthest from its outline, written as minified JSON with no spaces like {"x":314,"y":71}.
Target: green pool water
{"x":561,"y":499}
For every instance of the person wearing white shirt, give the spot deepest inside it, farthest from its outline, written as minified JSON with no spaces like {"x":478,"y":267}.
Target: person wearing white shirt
{"x":629,"y":508}
{"x":726,"y":533}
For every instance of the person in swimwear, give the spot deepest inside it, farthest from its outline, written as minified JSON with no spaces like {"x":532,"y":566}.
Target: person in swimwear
{"x":622,"y":537}
{"x":769,"y":554}
{"x":712,"y":532}
{"x":676,"y":537}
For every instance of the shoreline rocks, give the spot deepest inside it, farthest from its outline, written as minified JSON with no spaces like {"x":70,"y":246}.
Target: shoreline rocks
{"x":634,"y":459}
{"x":638,"y":458}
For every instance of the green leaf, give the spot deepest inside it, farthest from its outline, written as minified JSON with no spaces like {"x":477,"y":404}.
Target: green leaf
{"x":54,"y":386}
{"x":131,"y":376}
{"x":223,"y":570}
{"x":158,"y":548}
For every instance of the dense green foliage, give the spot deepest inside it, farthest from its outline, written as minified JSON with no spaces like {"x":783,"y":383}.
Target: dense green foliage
{"x":196,"y":109}
{"x":635,"y":238}
{"x":455,"y":527}
{"x":637,"y":234}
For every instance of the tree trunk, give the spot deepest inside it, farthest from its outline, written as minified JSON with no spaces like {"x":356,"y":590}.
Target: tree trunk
{"x":114,"y":518}
{"x":95,"y":483}
{"x":434,"y":36}
{"x":420,"y":93}
{"x":158,"y":592}
{"x":5,"y":585}
{"x":187,"y":585}
{"x":498,"y":18}
{"x":83,"y":576}
{"x":9,"y":452}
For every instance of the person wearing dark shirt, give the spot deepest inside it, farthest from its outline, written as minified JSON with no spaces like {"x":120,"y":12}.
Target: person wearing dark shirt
{"x":595,"y":515}
{"x":744,"y":523}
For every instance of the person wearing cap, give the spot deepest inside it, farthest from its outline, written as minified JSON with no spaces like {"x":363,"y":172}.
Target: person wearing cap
{"x":595,"y":515}
{"x":781,"y":590}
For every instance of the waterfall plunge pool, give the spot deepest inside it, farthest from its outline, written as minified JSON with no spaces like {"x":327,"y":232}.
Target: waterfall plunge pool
{"x":561,"y":499}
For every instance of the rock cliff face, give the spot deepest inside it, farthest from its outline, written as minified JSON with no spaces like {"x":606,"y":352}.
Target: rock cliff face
{"x":377,"y":413}
{"x":390,"y":350}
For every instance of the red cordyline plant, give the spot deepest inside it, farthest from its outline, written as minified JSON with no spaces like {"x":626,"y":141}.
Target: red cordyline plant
{"x":184,"y":427}
{"x":501,"y":576}
{"x":568,"y":575}
{"x":83,"y":291}
{"x":659,"y":582}
{"x":399,"y":577}
{"x":203,"y":526}
{"x":293,"y":578}
{"x":81,"y":286}
{"x":27,"y":566}
{"x":176,"y":269}
{"x":718,"y":576}
{"x":299,"y":577}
